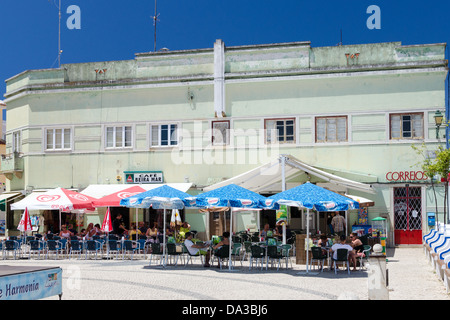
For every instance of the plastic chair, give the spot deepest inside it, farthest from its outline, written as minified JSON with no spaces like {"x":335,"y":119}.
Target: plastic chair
{"x":63,"y":245}
{"x":366,"y":252}
{"x":286,"y":253}
{"x":172,"y":251}
{"x":191,"y":256}
{"x":222,"y":254}
{"x":53,"y":246}
{"x":36,"y":247}
{"x":273,"y":254}
{"x":11,"y":246}
{"x":157,"y":251}
{"x":29,"y":238}
{"x":75,"y":247}
{"x":236,"y":239}
{"x":317,"y":255}
{"x":128,"y":246}
{"x":256,"y":252}
{"x":236,"y":252}
{"x":92,"y":246}
{"x":141,"y":247}
{"x":247,"y":250}
{"x":113,"y":237}
{"x":342,"y":256}
{"x":112,"y":246}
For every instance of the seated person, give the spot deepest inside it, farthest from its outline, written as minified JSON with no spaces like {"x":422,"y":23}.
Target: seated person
{"x":358,"y":247}
{"x":217,"y":247}
{"x":343,"y":245}
{"x":82,"y":233}
{"x":202,"y":249}
{"x":143,"y":227}
{"x":266,"y":232}
{"x":185,"y":227}
{"x":322,"y":242}
{"x":152,"y":233}
{"x":72,"y":230}
{"x":98,"y":230}
{"x":133,"y":232}
{"x":279,"y":231}
{"x":65,"y":233}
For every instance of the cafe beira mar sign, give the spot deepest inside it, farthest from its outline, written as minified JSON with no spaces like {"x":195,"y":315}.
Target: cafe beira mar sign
{"x":144,"y":177}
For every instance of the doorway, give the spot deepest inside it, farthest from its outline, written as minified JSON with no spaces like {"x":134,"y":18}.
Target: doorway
{"x":408,"y":215}
{"x":219,"y":222}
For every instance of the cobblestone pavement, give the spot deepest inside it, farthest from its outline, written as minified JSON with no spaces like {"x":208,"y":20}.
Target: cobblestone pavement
{"x":410,"y":277}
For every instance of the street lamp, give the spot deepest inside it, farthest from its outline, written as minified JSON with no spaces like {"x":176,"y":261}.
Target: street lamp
{"x":438,"y":117}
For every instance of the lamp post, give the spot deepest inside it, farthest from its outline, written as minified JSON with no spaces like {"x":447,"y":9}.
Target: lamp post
{"x":438,"y":117}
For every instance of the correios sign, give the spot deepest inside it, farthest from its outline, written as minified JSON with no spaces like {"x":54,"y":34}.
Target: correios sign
{"x":406,"y":176}
{"x":144,"y":177}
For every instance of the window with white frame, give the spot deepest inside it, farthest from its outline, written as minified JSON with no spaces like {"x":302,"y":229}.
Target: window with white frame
{"x":331,"y":129}
{"x":406,"y":126}
{"x":118,"y":137}
{"x":58,"y":139}
{"x":163,"y":135}
{"x":17,"y":141}
{"x":280,"y":130}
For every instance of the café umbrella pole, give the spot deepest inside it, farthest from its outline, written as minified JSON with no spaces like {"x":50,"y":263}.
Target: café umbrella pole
{"x":307,"y":247}
{"x":164,"y":239}
{"x":231,"y":237}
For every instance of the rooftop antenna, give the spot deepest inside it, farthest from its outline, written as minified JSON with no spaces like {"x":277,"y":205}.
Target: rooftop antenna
{"x":155,"y":20}
{"x":340,"y":43}
{"x":59,"y":32}
{"x":59,"y":35}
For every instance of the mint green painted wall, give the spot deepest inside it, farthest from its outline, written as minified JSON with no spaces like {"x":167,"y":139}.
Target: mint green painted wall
{"x":282,"y":80}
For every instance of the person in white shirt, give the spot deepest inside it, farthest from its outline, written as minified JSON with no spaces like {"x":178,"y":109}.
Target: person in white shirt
{"x":342,"y":245}
{"x":194,"y":249}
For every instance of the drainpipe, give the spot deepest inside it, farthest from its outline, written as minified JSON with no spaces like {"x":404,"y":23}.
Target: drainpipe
{"x":447,"y":104}
{"x":447,"y":117}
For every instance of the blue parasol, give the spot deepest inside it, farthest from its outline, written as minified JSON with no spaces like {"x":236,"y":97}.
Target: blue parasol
{"x":310,"y":196}
{"x":232,"y":196}
{"x":164,"y":197}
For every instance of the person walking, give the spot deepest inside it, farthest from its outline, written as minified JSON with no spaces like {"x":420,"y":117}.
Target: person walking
{"x":338,"y":223}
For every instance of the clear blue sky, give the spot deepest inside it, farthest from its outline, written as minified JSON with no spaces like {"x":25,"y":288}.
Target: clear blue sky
{"x":116,"y":30}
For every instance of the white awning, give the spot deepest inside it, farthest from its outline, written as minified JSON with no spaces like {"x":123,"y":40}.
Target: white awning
{"x":100,"y":190}
{"x":9,"y":196}
{"x":267,"y":178}
{"x":363,"y":202}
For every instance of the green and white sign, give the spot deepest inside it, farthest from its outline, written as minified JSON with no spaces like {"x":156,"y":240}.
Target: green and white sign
{"x":144,"y":177}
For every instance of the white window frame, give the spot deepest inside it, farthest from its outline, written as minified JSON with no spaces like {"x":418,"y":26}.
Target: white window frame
{"x":401,"y":129}
{"x":268,"y":133}
{"x":326,"y":140}
{"x":114,"y":142}
{"x":17,"y":141}
{"x":156,"y":142}
{"x":54,"y":142}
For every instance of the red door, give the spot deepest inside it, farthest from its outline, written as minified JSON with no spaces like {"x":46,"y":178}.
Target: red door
{"x":408,"y":215}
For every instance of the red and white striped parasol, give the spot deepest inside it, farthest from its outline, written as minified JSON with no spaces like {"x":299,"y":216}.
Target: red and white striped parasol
{"x":25,"y":222}
{"x":107,"y":225}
